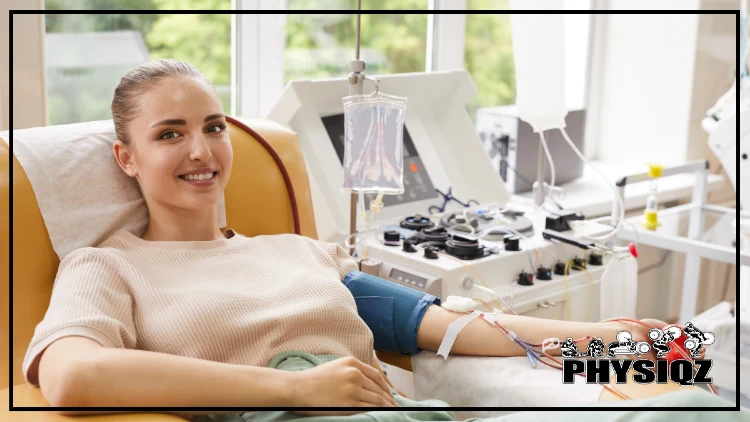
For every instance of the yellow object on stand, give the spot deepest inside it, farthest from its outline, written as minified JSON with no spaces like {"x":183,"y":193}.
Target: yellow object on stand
{"x":651,"y":220}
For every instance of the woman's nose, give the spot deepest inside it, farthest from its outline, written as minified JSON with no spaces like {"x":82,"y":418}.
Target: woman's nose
{"x":200,"y":149}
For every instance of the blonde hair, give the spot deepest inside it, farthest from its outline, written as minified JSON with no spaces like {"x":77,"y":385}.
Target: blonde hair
{"x":135,"y":83}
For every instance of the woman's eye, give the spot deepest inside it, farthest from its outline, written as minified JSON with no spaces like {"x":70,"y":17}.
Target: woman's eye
{"x":168,"y":135}
{"x":217,"y":128}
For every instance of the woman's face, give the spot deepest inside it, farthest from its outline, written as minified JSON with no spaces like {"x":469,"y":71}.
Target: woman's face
{"x":179,"y":147}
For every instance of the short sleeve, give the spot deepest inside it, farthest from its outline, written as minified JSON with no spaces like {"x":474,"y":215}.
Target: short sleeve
{"x":343,"y":262}
{"x":89,"y":299}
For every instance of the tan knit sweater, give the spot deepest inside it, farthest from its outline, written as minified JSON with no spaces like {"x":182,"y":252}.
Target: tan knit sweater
{"x":238,"y":300}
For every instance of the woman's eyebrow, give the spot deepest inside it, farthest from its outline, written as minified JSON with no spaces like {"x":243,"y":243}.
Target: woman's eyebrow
{"x":183,"y":122}
{"x":213,"y":116}
{"x":170,"y":122}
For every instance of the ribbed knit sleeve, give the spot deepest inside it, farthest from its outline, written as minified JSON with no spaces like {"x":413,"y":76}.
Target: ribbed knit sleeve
{"x":89,"y":299}
{"x":342,"y":261}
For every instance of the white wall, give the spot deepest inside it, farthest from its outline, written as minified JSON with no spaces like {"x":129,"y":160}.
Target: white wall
{"x":652,"y":79}
{"x":577,"y":47}
{"x":644,"y":86}
{"x":654,"y":76}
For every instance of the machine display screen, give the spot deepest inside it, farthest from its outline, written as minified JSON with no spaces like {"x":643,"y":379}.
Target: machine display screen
{"x":417,"y":183}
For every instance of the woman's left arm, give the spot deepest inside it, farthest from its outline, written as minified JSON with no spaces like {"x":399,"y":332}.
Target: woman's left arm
{"x":479,"y":338}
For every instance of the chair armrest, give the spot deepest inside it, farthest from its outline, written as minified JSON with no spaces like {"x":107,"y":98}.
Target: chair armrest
{"x":25,"y":395}
{"x":401,"y":361}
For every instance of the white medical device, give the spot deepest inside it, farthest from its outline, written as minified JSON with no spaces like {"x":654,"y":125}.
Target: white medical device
{"x":744,"y":152}
{"x":723,"y":134}
{"x":439,"y":145}
{"x":721,"y":126}
{"x":442,"y":151}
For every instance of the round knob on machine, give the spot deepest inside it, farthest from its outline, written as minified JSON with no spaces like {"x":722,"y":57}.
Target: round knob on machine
{"x":430,"y":252}
{"x":526,"y":279}
{"x":595,"y":259}
{"x":391,"y":238}
{"x":544,"y":273}
{"x":513,"y":244}
{"x":579,"y":264}
{"x":560,"y":268}
{"x":408,"y":246}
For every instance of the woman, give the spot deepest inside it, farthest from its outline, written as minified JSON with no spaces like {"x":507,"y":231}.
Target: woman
{"x":199,"y":313}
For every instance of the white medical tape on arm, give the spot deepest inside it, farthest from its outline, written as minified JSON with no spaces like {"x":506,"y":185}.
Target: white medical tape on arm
{"x":550,"y":343}
{"x":489,"y":318}
{"x":453,"y":329}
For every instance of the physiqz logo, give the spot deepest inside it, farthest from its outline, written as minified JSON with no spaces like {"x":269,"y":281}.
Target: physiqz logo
{"x":670,"y":365}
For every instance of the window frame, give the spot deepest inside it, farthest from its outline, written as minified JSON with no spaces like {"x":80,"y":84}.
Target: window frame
{"x":446,"y":39}
{"x":258,"y":77}
{"x":257,"y":56}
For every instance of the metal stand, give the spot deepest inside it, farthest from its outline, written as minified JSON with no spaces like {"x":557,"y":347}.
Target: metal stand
{"x":691,"y":245}
{"x":356,"y":87}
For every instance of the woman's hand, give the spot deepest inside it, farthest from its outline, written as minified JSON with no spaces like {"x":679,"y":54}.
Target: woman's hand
{"x":344,"y":382}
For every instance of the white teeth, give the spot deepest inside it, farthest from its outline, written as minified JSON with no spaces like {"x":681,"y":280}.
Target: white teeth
{"x":199,"y":176}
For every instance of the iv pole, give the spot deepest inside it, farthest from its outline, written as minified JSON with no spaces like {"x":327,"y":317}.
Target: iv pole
{"x":356,"y":87}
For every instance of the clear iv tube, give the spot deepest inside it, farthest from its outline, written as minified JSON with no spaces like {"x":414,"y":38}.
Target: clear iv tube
{"x":533,"y":354}
{"x":549,"y":159}
{"x":375,"y":207}
{"x":651,"y":202}
{"x":621,"y":217}
{"x":496,"y":296}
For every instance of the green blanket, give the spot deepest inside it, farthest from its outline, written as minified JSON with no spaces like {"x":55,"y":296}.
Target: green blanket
{"x":298,"y":361}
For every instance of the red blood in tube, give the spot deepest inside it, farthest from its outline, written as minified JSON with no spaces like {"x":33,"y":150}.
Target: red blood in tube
{"x":679,"y":342}
{"x":633,"y":250}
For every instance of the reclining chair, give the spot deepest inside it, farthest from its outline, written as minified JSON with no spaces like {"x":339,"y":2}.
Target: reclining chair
{"x":268,"y":164}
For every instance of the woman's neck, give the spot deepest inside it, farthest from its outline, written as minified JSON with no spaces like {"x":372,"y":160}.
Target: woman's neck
{"x":183,"y":226}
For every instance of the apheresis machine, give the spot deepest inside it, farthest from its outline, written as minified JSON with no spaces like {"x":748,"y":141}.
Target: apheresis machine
{"x":400,"y":177}
{"x":453,"y":230}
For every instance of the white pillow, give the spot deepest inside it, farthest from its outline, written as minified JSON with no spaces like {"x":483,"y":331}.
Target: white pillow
{"x":82,"y":192}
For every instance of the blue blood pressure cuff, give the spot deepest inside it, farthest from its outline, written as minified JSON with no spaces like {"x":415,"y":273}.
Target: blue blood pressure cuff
{"x":392,"y":312}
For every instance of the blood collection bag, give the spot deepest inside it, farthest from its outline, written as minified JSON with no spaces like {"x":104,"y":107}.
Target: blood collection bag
{"x":373,"y":145}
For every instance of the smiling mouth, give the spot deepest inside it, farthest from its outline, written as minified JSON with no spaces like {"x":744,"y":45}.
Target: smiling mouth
{"x":199,"y":177}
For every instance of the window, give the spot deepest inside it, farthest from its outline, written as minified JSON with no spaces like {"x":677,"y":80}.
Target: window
{"x":86,"y":55}
{"x":488,"y":55}
{"x":258,"y":54}
{"x":321,"y":46}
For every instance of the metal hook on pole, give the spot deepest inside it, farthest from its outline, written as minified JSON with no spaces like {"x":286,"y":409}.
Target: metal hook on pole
{"x":377,"y":84}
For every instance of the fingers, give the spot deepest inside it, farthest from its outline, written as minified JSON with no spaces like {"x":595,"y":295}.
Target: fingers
{"x":370,"y":386}
{"x":374,"y":375}
{"x":374,"y":399}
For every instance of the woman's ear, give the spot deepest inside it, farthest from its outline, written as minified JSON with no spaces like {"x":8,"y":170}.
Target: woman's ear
{"x":124,"y":158}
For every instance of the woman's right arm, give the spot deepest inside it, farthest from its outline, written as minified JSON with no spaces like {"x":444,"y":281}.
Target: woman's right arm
{"x":79,"y":372}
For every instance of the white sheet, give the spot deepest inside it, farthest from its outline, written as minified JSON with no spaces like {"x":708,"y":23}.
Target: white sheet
{"x":464,"y":381}
{"x":82,"y":193}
